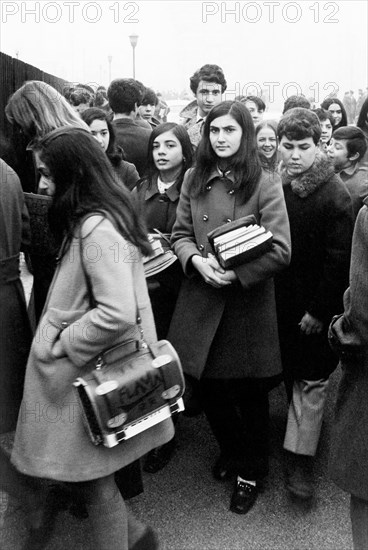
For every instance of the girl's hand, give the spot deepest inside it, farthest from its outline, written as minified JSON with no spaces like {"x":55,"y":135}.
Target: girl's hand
{"x":210,"y":270}
{"x":57,"y":350}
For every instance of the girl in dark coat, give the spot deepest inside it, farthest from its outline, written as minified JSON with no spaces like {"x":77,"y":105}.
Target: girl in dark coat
{"x":267,"y":144}
{"x":169,"y":156}
{"x":224,"y":324}
{"x":311,"y":289}
{"x":349,"y":436}
{"x":102,"y":129}
{"x":337,"y":109}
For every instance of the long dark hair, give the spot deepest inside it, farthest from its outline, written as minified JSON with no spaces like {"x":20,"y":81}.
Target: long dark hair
{"x":245,"y":163}
{"x":182,"y":135}
{"x":362,"y":121}
{"x":85,"y":182}
{"x":329,"y":101}
{"x":113,"y":151}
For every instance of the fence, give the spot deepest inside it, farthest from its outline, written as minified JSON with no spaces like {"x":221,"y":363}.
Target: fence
{"x":13,"y":73}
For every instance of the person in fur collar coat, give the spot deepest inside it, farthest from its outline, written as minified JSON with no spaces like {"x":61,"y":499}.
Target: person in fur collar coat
{"x":310,"y":290}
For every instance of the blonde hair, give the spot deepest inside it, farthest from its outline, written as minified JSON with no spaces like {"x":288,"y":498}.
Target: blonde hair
{"x":37,"y":109}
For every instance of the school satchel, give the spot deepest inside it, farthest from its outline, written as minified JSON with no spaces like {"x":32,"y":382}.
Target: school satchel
{"x":131,"y":386}
{"x":240,"y":241}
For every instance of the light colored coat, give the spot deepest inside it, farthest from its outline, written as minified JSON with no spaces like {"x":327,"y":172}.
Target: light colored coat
{"x":51,"y":441}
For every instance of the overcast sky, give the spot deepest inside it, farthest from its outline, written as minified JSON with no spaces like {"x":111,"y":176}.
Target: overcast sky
{"x":315,"y":45}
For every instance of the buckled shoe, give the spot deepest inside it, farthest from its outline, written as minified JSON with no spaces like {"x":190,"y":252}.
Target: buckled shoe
{"x":244,"y":496}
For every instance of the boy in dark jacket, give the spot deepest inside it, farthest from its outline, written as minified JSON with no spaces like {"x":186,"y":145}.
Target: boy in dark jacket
{"x":310,"y":290}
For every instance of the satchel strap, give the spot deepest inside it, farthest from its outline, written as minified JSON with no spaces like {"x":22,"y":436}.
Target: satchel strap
{"x":91,"y":298}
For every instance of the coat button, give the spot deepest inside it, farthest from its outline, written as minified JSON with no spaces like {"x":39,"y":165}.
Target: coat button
{"x":231,"y":192}
{"x":64,"y":324}
{"x":201,"y":247}
{"x":209,"y":187}
{"x":228,"y":220}
{"x":205,"y":218}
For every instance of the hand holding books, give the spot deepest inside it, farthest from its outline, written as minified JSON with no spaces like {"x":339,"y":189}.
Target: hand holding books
{"x":162,"y":255}
{"x":239,"y":242}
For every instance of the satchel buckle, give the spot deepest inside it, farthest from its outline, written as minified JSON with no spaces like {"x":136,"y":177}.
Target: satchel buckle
{"x":99,"y":363}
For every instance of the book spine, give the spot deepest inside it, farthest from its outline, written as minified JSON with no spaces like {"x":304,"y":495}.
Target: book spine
{"x":247,"y":255}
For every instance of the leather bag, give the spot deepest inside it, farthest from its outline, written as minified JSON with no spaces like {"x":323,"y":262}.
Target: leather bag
{"x":130,"y":387}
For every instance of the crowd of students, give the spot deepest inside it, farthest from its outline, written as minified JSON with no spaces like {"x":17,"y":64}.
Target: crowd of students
{"x":116,"y":170}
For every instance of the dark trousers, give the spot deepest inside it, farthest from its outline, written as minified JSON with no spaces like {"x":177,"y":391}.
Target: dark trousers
{"x":238,"y":413}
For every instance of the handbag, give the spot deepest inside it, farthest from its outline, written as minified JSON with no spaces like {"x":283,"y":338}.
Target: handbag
{"x":130,"y":387}
{"x":240,"y":241}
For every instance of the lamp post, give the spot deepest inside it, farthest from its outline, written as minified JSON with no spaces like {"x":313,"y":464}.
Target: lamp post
{"x":109,"y":58}
{"x":133,"y":41}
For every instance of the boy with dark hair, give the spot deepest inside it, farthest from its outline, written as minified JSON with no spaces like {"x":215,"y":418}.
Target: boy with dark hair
{"x":326,"y":121}
{"x":125,"y":95}
{"x":296,"y":101}
{"x":255,"y":105}
{"x":348,"y":147}
{"x":146,"y":109}
{"x":207,"y":84}
{"x":310,"y":290}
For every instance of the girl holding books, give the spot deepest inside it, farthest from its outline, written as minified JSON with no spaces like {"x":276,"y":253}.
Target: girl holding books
{"x":157,"y":194}
{"x":230,"y":340}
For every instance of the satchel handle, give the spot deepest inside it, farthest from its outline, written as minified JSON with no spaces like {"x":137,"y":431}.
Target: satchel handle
{"x":92,"y":302}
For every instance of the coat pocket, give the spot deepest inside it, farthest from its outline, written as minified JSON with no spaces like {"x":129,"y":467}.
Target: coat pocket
{"x":49,"y":329}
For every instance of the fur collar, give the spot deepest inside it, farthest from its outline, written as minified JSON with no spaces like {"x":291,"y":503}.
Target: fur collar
{"x":312,"y":179}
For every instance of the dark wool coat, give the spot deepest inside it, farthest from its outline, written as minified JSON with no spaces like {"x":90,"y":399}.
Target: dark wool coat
{"x":133,"y":138}
{"x":200,"y":307}
{"x":320,"y":215}
{"x":349,"y":436}
{"x":51,"y":441}
{"x":159,"y":212}
{"x":15,"y":331}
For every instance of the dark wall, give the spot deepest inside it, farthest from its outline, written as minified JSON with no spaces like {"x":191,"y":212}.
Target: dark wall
{"x":13,"y":73}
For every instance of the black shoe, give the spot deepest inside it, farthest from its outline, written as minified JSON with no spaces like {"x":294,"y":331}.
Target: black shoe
{"x":243,"y":497}
{"x":158,"y":458}
{"x":222,"y":469}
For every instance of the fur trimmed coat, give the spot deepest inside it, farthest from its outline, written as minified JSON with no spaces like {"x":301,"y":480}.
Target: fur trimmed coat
{"x":321,"y":225}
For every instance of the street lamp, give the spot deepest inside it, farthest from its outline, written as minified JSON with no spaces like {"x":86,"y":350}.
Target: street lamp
{"x":109,"y":58}
{"x":133,"y":41}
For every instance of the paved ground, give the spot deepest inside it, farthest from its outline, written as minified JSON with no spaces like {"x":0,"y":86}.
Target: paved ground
{"x":190,"y":510}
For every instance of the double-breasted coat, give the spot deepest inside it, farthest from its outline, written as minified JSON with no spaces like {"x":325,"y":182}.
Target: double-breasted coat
{"x":349,"y":435}
{"x":159,"y":211}
{"x":200,"y":307}
{"x":50,"y":440}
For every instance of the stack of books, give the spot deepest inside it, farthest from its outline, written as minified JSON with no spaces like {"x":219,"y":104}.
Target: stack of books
{"x":233,"y":247}
{"x":162,"y":256}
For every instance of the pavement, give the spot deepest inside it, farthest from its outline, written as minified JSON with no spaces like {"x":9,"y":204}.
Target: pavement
{"x":190,"y":510}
